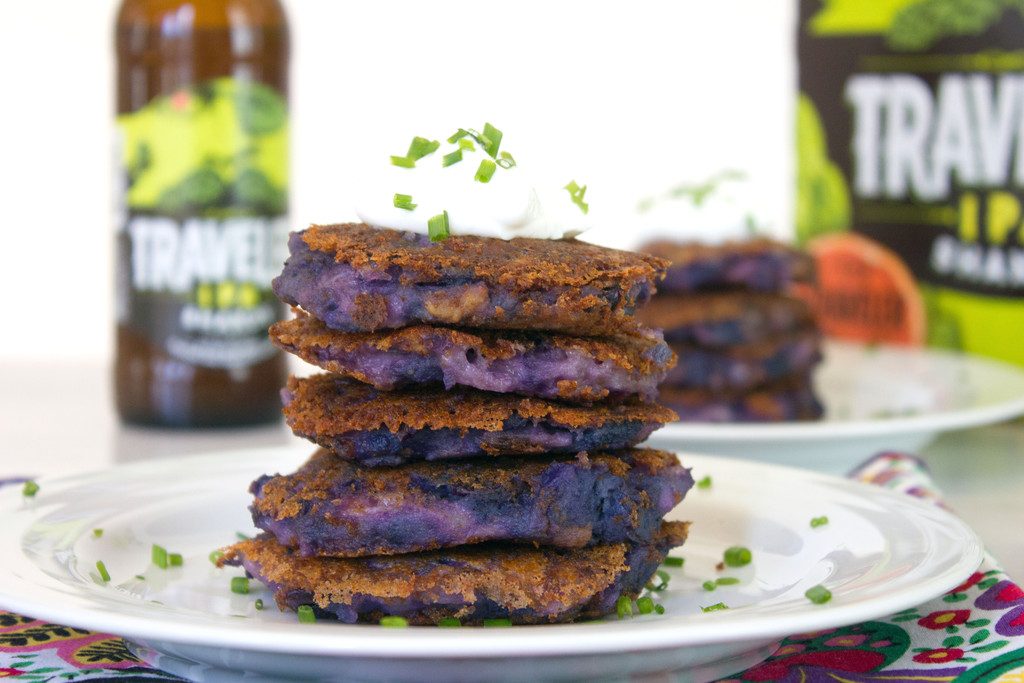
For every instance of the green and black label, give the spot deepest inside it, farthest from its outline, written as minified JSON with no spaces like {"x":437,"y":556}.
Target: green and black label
{"x":910,"y":129}
{"x":202,"y":229}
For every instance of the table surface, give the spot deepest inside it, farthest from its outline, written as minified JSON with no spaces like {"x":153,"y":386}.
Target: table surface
{"x":59,"y":419}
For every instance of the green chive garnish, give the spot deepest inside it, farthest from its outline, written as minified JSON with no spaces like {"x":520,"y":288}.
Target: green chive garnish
{"x":663,"y":577}
{"x":704,"y":483}
{"x":102,"y":569}
{"x":485,"y":171}
{"x":393,"y":622}
{"x":97,"y":533}
{"x":576,"y":193}
{"x":727,"y":581}
{"x":403,"y":162}
{"x":506,"y":160}
{"x":659,"y":609}
{"x":497,"y":622}
{"x":176,"y":559}
{"x":259,"y":603}
{"x":449,"y":622}
{"x":737,"y":556}
{"x":624,"y":607}
{"x":140,"y":577}
{"x":458,"y":135}
{"x":493,"y":137}
{"x":215,"y":556}
{"x":421,"y":147}
{"x":403,"y":201}
{"x":30,"y":489}
{"x":306,"y":615}
{"x":466,"y":145}
{"x":819,"y":595}
{"x":451,"y":158}
{"x":437,"y":227}
{"x":708,"y":585}
{"x":240,"y":585}
{"x":715,"y":607}
{"x":242,"y":537}
{"x":674,"y":561}
{"x":818,"y":521}
{"x":644,"y":605}
{"x":159,"y":556}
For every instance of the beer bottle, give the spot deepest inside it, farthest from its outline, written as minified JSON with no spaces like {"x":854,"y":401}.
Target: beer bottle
{"x":202,"y":159}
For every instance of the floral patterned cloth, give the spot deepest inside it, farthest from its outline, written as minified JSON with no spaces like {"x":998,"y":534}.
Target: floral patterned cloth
{"x":972,"y":634}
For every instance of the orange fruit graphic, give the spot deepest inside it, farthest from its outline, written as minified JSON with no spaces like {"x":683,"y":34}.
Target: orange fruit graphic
{"x":865,"y":292}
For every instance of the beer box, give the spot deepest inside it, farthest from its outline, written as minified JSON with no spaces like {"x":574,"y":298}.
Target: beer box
{"x":910,"y":141}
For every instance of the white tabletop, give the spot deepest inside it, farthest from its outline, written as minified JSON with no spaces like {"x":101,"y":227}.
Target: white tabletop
{"x":59,"y":419}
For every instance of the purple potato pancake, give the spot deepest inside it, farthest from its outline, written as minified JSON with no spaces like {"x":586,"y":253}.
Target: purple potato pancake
{"x":761,"y":265}
{"x":523,"y":584}
{"x":332,"y":507}
{"x":356,"y":278}
{"x":786,"y":401}
{"x":377,"y":428}
{"x":744,"y":367}
{"x":715,"y":319}
{"x":545,"y":365}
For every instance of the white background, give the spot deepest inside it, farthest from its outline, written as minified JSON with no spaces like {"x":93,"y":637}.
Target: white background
{"x":628,"y":97}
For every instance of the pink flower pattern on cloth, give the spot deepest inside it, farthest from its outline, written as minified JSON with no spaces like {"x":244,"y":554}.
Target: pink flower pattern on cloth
{"x":972,"y":634}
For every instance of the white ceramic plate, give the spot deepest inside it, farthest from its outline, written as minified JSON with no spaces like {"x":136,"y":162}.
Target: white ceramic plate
{"x":876,"y":398}
{"x":880,"y":553}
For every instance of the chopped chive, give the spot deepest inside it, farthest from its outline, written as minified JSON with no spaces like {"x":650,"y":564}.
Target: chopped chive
{"x":576,"y":193}
{"x":421,"y":147}
{"x":159,"y":556}
{"x":506,"y":160}
{"x":451,"y":158}
{"x":458,"y":135}
{"x":819,"y":595}
{"x":704,"y":483}
{"x":30,"y":489}
{"x":259,"y":603}
{"x":240,"y":585}
{"x":818,"y":521}
{"x":242,"y":537}
{"x":497,"y":622}
{"x":403,"y":201}
{"x":438,"y":227}
{"x":305,"y":613}
{"x":493,"y":137}
{"x":737,"y":556}
{"x":659,"y":609}
{"x":624,"y":607}
{"x":102,"y":569}
{"x":449,"y":622}
{"x":708,"y":585}
{"x":644,"y":605}
{"x":715,"y":607}
{"x":175,"y":559}
{"x":673,"y":561}
{"x":403,"y":162}
{"x":215,"y":556}
{"x":485,"y":171}
{"x":466,"y":145}
{"x":662,"y":584}
{"x":140,"y":577}
{"x":727,"y":581}
{"x":393,"y":622}
{"x":96,"y":533}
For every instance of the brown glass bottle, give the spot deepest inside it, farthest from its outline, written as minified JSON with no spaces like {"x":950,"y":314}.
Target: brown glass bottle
{"x":202,"y":127}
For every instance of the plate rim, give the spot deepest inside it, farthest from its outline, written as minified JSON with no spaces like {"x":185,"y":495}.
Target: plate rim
{"x":921,"y":423}
{"x":337,"y":640}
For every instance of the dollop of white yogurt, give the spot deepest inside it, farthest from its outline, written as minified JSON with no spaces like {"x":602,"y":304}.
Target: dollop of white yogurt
{"x":507,"y":206}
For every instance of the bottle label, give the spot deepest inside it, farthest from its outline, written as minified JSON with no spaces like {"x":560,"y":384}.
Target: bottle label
{"x":910,"y":143}
{"x":202,"y":226}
